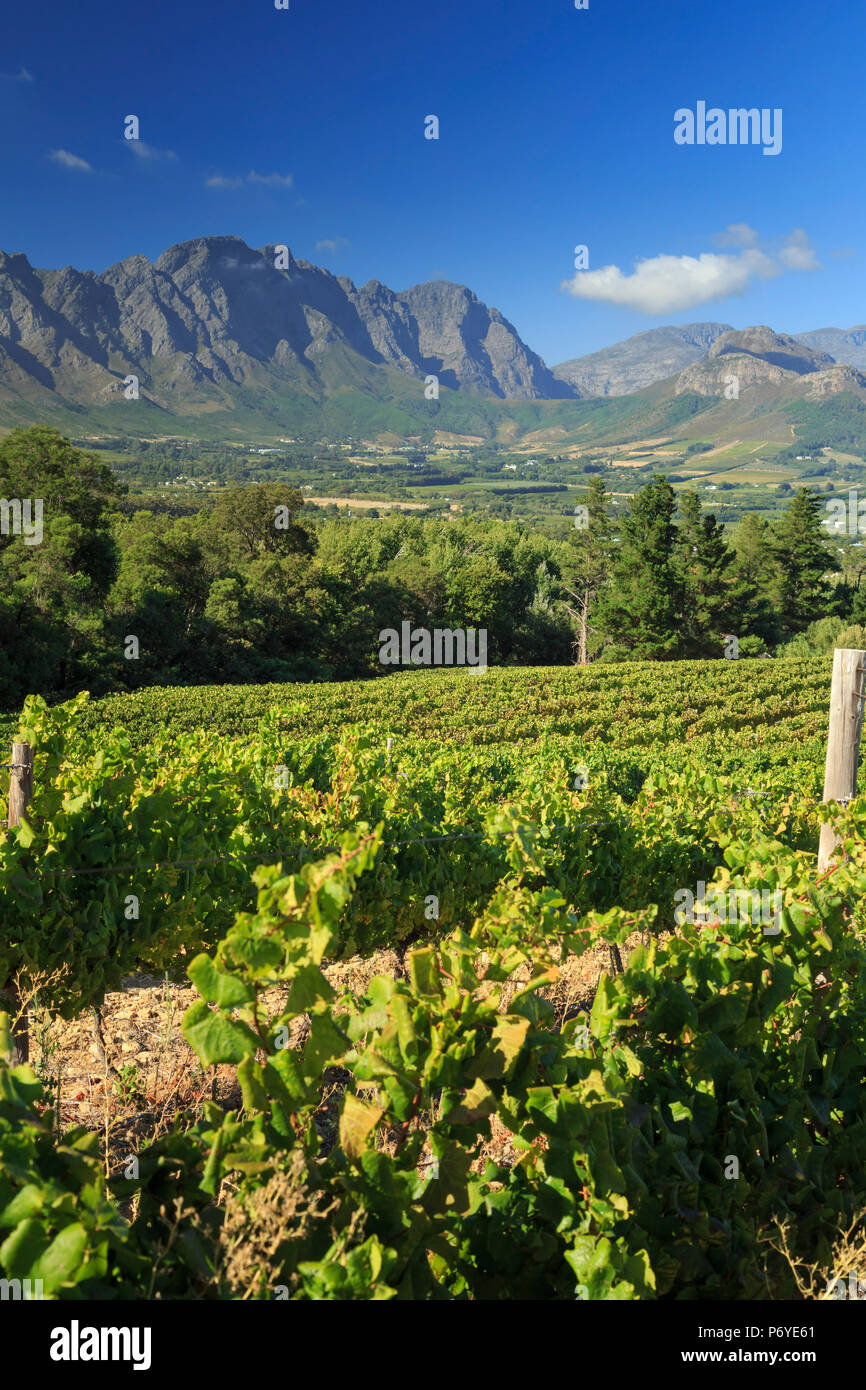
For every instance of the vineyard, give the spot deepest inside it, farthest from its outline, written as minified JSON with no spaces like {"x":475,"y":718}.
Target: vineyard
{"x":644,"y":704}
{"x":465,"y":1122}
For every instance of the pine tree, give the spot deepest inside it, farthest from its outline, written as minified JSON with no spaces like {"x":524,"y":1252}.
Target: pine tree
{"x":704,"y":561}
{"x":639,"y":612}
{"x":752,"y":578}
{"x":801,"y":590}
{"x":753,"y":551}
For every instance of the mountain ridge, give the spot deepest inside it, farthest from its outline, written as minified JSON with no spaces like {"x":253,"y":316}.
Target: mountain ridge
{"x":639,"y":361}
{"x":212,"y":313}
{"x":656,"y":354}
{"x":759,"y":357}
{"x":217,"y":338}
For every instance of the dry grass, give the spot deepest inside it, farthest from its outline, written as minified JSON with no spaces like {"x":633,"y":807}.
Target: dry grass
{"x":283,"y":1209}
{"x":847,"y":1264}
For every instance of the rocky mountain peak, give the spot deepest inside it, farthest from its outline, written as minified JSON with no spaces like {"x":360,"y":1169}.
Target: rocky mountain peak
{"x":212,"y":313}
{"x":778,"y":349}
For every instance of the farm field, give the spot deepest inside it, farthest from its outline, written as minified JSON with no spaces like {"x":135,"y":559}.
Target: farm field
{"x":366,"y":503}
{"x":535,"y":476}
{"x":402,"y":961}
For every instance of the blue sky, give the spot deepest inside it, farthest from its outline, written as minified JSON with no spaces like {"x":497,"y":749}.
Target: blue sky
{"x":556,"y":128}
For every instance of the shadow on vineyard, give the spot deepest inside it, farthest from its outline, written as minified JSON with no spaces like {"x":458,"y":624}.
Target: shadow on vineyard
{"x":415,"y":1018}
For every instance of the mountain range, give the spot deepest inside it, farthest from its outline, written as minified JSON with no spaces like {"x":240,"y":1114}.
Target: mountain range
{"x":216,"y":337}
{"x":639,"y":361}
{"x":212,"y":314}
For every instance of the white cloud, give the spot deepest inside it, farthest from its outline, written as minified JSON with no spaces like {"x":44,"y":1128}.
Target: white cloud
{"x":22,"y":75}
{"x":670,"y":284}
{"x":219,"y":181}
{"x":333,"y":244}
{"x":142,"y":150}
{"x":738,"y":234}
{"x":70,"y":161}
{"x":798,"y":252}
{"x":224,"y":181}
{"x":282,"y":180}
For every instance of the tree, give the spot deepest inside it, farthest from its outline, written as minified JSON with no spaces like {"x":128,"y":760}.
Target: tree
{"x":801,"y":590}
{"x":704,"y":561}
{"x":639,"y":611}
{"x":587,"y":564}
{"x":753,"y":551}
{"x":753,"y":574}
{"x":262,"y":518}
{"x":56,"y":581}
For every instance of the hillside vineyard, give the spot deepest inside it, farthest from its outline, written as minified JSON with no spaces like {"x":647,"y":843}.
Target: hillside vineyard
{"x":432,"y":677}
{"x":508,"y":832}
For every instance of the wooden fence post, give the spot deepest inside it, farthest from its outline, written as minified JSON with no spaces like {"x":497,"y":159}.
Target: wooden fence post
{"x":843,"y":739}
{"x":20,"y":794}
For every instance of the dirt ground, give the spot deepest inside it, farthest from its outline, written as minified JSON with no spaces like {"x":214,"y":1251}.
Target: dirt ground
{"x":127,"y":1072}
